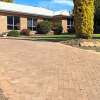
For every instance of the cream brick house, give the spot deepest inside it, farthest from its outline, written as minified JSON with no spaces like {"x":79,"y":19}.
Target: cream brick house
{"x":17,"y":17}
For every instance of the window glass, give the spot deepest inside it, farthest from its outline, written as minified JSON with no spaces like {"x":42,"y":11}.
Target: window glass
{"x":10,"y":20}
{"x":32,"y":23}
{"x":68,"y":27}
{"x":29,"y":22}
{"x":34,"y":28}
{"x":13,"y":23}
{"x":68,"y":21}
{"x":16,"y":28}
{"x":16,"y":20}
{"x":10,"y":27}
{"x":30,"y":28}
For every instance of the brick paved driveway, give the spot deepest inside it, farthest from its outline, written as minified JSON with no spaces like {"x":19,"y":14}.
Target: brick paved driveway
{"x":48,"y":71}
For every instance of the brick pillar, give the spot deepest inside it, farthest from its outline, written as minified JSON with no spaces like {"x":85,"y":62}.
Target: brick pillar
{"x":3,"y":23}
{"x":64,"y":25}
{"x":23,"y":23}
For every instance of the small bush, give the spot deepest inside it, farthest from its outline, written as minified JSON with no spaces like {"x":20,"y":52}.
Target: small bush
{"x":57,"y":28}
{"x":44,"y":27}
{"x":14,"y":33}
{"x":25,"y":32}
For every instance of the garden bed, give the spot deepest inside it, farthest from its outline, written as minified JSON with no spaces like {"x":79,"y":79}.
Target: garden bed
{"x":91,"y":44}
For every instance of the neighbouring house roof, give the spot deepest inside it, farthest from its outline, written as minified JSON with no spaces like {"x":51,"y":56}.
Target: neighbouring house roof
{"x":62,"y":12}
{"x":19,"y":8}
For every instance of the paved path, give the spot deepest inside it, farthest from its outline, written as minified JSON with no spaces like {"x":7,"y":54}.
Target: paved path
{"x":48,"y":71}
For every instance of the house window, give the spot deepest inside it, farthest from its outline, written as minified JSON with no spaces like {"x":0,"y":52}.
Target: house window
{"x":70,"y":23}
{"x":13,"y":23}
{"x":32,"y":23}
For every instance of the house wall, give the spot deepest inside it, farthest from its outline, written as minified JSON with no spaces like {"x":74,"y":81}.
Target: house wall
{"x":23,"y":23}
{"x":23,"y":20}
{"x":39,"y":19}
{"x":64,"y":25}
{"x":3,"y":23}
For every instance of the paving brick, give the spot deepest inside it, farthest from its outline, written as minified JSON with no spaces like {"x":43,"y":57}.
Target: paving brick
{"x":48,"y":71}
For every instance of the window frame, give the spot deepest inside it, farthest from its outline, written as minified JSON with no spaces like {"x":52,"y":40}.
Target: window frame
{"x":70,"y":25}
{"x":32,"y":21}
{"x":13,"y":25}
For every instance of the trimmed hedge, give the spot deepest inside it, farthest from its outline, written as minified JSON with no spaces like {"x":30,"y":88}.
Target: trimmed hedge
{"x":14,"y":33}
{"x":44,"y":27}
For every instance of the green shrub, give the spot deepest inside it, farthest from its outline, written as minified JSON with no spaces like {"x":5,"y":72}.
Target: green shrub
{"x":57,"y":28}
{"x":44,"y":27}
{"x":25,"y":32}
{"x":14,"y":33}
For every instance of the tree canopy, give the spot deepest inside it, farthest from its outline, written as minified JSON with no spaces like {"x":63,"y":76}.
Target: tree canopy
{"x":7,"y":0}
{"x":84,"y":18}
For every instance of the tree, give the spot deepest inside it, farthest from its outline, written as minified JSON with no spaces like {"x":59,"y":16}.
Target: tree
{"x":84,"y":18}
{"x":7,"y":0}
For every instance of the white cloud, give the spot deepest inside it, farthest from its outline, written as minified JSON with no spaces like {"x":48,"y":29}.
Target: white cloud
{"x":68,"y":2}
{"x":57,"y":5}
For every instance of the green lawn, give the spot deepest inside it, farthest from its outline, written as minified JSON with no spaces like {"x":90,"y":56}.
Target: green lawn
{"x":58,"y":38}
{"x":96,"y":36}
{"x":53,"y":38}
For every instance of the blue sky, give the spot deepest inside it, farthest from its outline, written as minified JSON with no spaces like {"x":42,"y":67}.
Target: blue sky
{"x":54,"y":5}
